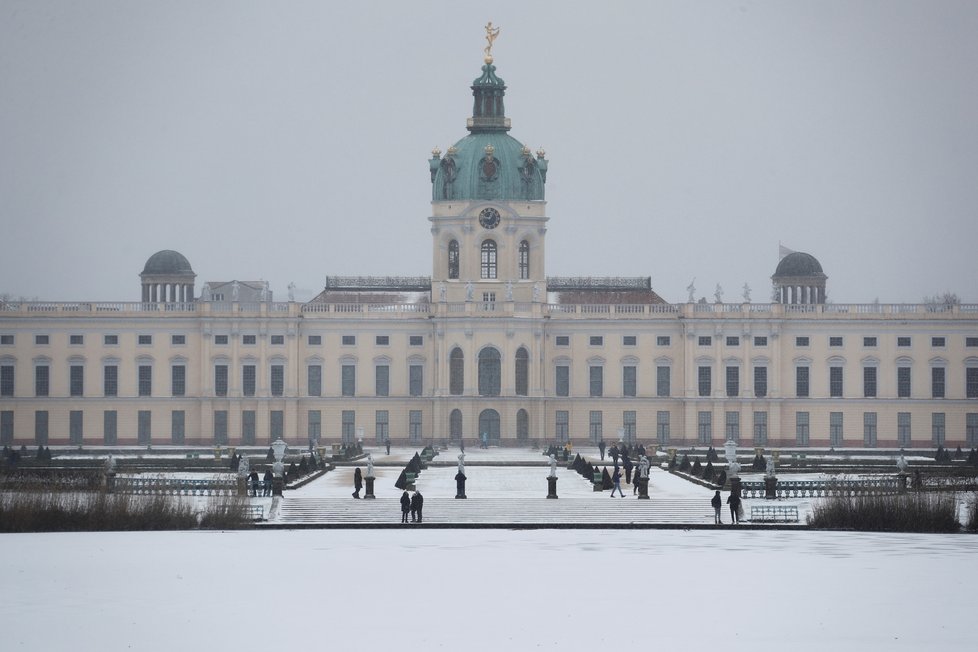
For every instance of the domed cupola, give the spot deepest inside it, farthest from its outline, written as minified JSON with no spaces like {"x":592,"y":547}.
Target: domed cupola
{"x":799,"y":279}
{"x":167,"y":277}
{"x":488,"y":164}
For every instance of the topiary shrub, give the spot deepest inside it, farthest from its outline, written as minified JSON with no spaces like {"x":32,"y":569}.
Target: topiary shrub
{"x":709,"y":472}
{"x":684,"y":465}
{"x":697,"y":468}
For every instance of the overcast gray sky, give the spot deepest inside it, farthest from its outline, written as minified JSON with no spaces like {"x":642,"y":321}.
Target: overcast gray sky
{"x":289,"y":140}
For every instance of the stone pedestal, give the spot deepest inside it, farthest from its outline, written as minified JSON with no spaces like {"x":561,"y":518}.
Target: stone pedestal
{"x":643,"y":488}
{"x":902,"y":482}
{"x":278,"y":483}
{"x":552,"y":487}
{"x":734,"y":485}
{"x":370,"y":488}
{"x":771,"y":488}
{"x":242,"y":486}
{"x":459,"y":486}
{"x":109,"y":482}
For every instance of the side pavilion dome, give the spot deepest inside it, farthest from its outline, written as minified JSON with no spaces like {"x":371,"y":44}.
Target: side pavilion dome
{"x":167,"y":277}
{"x":799,"y":279}
{"x":167,"y":262}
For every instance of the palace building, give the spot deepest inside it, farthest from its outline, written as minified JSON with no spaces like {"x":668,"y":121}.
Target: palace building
{"x":486,"y":344}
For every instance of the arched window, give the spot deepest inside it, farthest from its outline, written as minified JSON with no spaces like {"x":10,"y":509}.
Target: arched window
{"x":522,"y":425}
{"x":489,"y":372}
{"x":522,"y":372}
{"x":488,"y":259}
{"x":455,"y":425}
{"x":489,"y":425}
{"x":524,"y":260}
{"x":456,"y":368}
{"x":453,"y":259}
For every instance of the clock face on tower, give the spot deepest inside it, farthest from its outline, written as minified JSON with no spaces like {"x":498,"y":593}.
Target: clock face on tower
{"x":489,"y":218}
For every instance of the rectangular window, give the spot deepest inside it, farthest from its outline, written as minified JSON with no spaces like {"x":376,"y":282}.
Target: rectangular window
{"x":314,"y":380}
{"x":414,"y":425}
{"x":732,"y":426}
{"x":802,"y":341}
{"x":314,"y":420}
{"x":938,"y":342}
{"x":969,"y":342}
{"x":705,"y":340}
{"x":144,"y":424}
{"x":629,"y":340}
{"x":760,"y":428}
{"x":760,"y":340}
{"x":41,"y":427}
{"x":562,"y":340}
{"x":110,"y":380}
{"x":278,"y":379}
{"x":760,"y":382}
{"x":348,"y":426}
{"x":903,"y":382}
{"x":629,"y":380}
{"x":869,"y":342}
{"x":349,"y":340}
{"x":563,"y":424}
{"x":144,"y":340}
{"x":416,"y":380}
{"x":276,"y":424}
{"x":869,"y":429}
{"x":110,"y":340}
{"x":903,"y":342}
{"x":75,"y":434}
{"x":704,"y":426}
{"x":835,"y":428}
{"x":348,"y":380}
{"x":248,"y":427}
{"x":663,"y":340}
{"x":704,"y":381}
{"x":178,"y":431}
{"x":42,"y":340}
{"x":903,"y":429}
{"x":220,"y":380}
{"x":382,"y":380}
{"x":937,"y":428}
{"x":220,"y":427}
{"x":6,"y":340}
{"x":562,"y":380}
{"x":971,"y":382}
{"x":596,"y":381}
{"x":178,"y":340}
{"x":937,"y":382}
{"x":315,"y":340}
{"x":249,"y":379}
{"x":7,"y":427}
{"x":733,"y":381}
{"x":595,"y":426}
{"x":249,"y":340}
{"x":110,"y":424}
{"x":382,"y":426}
{"x":145,"y":380}
{"x":76,"y":380}
{"x":178,"y":380}
{"x":869,"y":382}
{"x":42,"y":380}
{"x":662,"y":427}
{"x":278,"y":340}
{"x":663,"y":381}
{"x":6,"y":380}
{"x":835,"y":341}
{"x":415,"y":340}
{"x":801,"y":382}
{"x":801,"y":428}
{"x":383,"y":340}
{"x":629,"y":424}
{"x":596,"y":340}
{"x":835,"y":382}
{"x":971,"y":428}
{"x":220,"y":339}
{"x":733,"y":340}
{"x":76,"y":340}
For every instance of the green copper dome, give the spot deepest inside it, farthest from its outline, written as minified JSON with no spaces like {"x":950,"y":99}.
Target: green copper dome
{"x":488,"y":163}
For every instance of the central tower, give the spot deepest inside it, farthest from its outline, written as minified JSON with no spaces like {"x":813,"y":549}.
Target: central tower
{"x":488,"y":221}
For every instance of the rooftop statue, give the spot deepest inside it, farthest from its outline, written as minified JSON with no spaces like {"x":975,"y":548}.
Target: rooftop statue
{"x":492,"y":33}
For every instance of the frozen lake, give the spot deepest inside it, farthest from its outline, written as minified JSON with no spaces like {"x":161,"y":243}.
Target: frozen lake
{"x":488,"y":590}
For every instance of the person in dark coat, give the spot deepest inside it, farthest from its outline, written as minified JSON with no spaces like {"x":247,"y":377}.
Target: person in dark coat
{"x":616,"y":479}
{"x":387,"y":443}
{"x":357,"y":482}
{"x":268,"y":478}
{"x":601,"y":446}
{"x":627,"y":463}
{"x":417,"y":503}
{"x":613,"y":451}
{"x":405,"y":506}
{"x":734,"y":501}
{"x":717,"y":503}
{"x":253,"y":480}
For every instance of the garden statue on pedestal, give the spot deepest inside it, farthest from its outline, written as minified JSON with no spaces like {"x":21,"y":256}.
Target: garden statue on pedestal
{"x":553,"y":466}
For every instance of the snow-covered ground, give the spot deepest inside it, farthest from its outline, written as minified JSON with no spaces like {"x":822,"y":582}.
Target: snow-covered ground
{"x":493,"y":590}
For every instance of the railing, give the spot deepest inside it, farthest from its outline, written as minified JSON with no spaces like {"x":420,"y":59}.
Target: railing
{"x":824,"y":488}
{"x":175,"y":486}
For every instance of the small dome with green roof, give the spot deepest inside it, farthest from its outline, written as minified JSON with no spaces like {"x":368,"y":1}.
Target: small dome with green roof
{"x":488,"y":164}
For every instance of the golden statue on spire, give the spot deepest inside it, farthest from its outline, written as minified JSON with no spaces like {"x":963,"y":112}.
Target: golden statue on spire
{"x":491,"y":34}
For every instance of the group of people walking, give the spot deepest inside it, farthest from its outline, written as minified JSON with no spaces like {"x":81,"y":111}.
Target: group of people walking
{"x":733,"y":500}
{"x":413,"y":505}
